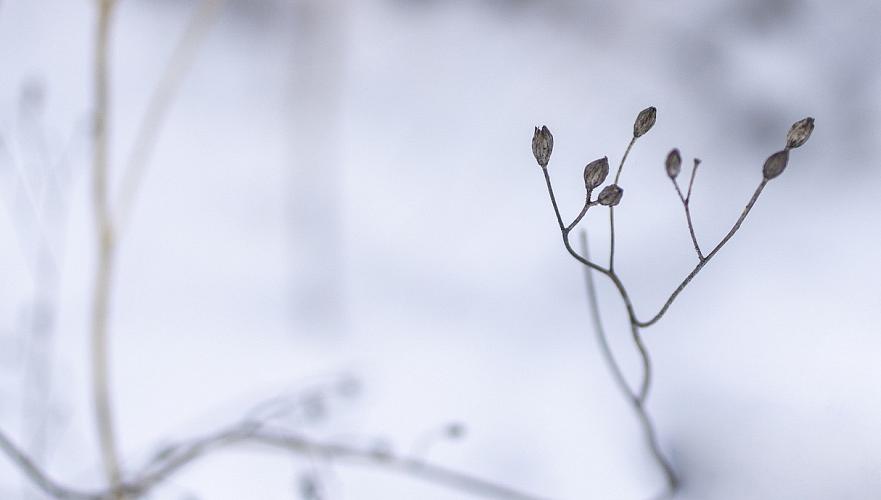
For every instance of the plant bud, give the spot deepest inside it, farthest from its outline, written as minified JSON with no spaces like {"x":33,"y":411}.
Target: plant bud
{"x":799,"y":133}
{"x":610,"y":195}
{"x":775,"y":164}
{"x":595,"y":173}
{"x":673,"y":163}
{"x":644,"y":121}
{"x":542,"y":145}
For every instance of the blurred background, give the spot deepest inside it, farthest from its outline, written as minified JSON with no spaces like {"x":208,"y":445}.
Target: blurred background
{"x":342,"y":207}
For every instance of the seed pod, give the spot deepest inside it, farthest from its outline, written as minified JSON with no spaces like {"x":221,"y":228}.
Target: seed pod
{"x":610,"y":195}
{"x":542,"y":145}
{"x":644,"y":121}
{"x":799,"y":133}
{"x":595,"y":173}
{"x":673,"y":163}
{"x":775,"y":164}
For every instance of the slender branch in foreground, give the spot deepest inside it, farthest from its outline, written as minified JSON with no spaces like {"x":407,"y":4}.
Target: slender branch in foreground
{"x":249,"y":433}
{"x":181,"y":61}
{"x":106,"y":248}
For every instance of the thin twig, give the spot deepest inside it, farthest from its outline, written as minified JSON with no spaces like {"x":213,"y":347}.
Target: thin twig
{"x":697,"y":268}
{"x":181,"y":61}
{"x":409,"y":466}
{"x":106,"y":247}
{"x":686,"y":203}
{"x":599,"y":330}
{"x":612,"y":209}
{"x":639,"y":401}
{"x":49,"y":486}
{"x":244,"y":433}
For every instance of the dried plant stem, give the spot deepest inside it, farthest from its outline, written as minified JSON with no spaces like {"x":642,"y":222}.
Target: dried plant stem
{"x":697,"y":269}
{"x":612,"y":209}
{"x":686,"y":203}
{"x":106,"y":249}
{"x":638,"y":398}
{"x":638,"y":401}
{"x":181,"y":61}
{"x":246,"y":433}
{"x":38,"y":477}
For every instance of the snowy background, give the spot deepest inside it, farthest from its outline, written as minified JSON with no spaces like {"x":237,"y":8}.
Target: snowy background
{"x":344,"y":191}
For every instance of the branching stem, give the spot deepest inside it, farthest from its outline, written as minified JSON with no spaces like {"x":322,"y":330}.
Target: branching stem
{"x":638,"y":398}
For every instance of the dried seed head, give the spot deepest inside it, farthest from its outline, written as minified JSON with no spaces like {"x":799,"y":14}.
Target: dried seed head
{"x":595,"y":173}
{"x":610,"y":195}
{"x":799,"y":133}
{"x":542,"y":145}
{"x":644,"y":121}
{"x":775,"y":164}
{"x":674,"y":163}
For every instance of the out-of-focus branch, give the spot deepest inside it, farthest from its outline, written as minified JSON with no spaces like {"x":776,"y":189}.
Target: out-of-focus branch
{"x":30,"y":469}
{"x":181,"y":61}
{"x":106,"y":249}
{"x":179,"y":456}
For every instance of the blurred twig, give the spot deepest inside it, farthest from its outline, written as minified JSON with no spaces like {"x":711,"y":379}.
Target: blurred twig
{"x":106,"y":249}
{"x":181,"y":455}
{"x":181,"y":61}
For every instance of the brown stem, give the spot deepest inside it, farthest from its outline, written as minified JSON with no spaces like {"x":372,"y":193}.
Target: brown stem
{"x":106,"y":248}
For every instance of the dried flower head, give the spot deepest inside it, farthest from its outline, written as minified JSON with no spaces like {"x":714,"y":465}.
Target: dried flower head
{"x":799,"y":133}
{"x":644,"y":121}
{"x":673,"y":163}
{"x":542,"y":145}
{"x":775,"y":164}
{"x":595,"y":173}
{"x":610,"y":195}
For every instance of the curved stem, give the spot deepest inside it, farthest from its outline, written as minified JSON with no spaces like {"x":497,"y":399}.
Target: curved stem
{"x":638,"y":402}
{"x":40,"y":478}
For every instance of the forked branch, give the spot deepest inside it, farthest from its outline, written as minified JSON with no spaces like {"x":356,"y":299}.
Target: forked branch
{"x":594,"y":175}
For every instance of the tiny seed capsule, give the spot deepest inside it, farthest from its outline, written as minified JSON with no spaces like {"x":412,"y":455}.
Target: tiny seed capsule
{"x":775,"y":164}
{"x":542,"y":145}
{"x":673,"y":163}
{"x":644,"y":121}
{"x":595,"y":173}
{"x":799,"y":133}
{"x":610,"y":195}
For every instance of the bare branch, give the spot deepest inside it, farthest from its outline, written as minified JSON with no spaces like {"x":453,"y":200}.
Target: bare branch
{"x":612,"y":209}
{"x":638,"y":402}
{"x":686,"y":203}
{"x":106,"y":248}
{"x":249,"y":433}
{"x":30,"y":469}
{"x":697,"y":269}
